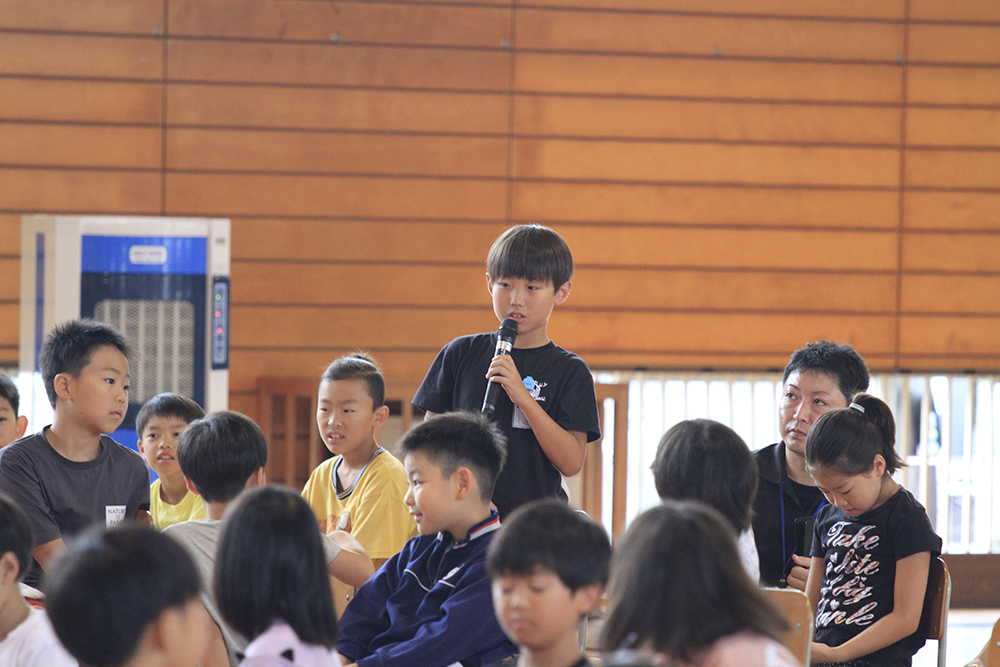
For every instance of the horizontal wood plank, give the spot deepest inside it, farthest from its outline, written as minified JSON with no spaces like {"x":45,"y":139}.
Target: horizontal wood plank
{"x":305,"y":327}
{"x":10,"y":275}
{"x":139,"y":17}
{"x":704,"y":35}
{"x":353,"y":22}
{"x":585,"y":202}
{"x":75,"y":191}
{"x":966,"y":252}
{"x":295,"y":108}
{"x":704,"y":120}
{"x":860,"y":9}
{"x":966,"y":44}
{"x":329,"y":152}
{"x":950,"y":294}
{"x":970,"y":10}
{"x":359,"y":241}
{"x":27,"y":144}
{"x":951,"y":210}
{"x":944,"y":85}
{"x":953,"y":169}
{"x":598,"y":74}
{"x":85,"y":56}
{"x":236,"y":194}
{"x":953,"y":127}
{"x":622,"y":246}
{"x":338,"y":64}
{"x":596,"y":289}
{"x":80,"y":101}
{"x":949,"y":336}
{"x":705,"y":163}
{"x":10,"y":240}
{"x":10,"y":316}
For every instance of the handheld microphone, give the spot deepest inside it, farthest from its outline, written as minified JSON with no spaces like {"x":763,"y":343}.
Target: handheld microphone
{"x":505,"y":342}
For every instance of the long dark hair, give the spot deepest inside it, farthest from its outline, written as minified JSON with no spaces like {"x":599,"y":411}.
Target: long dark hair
{"x":677,"y":585}
{"x":271,"y":566}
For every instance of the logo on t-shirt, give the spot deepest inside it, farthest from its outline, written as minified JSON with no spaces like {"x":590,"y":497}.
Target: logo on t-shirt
{"x":535,"y":387}
{"x":114,"y":515}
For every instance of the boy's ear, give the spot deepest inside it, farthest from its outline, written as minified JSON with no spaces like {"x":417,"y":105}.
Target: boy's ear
{"x":61,"y":383}
{"x":562,"y":292}
{"x":381,"y":415}
{"x":22,"y":426}
{"x":465,"y":481}
{"x":489,"y":284}
{"x":10,"y":568}
{"x":586,"y":598}
{"x":258,"y":478}
{"x":190,"y":486}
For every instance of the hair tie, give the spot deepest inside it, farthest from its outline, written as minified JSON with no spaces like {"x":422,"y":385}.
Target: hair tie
{"x":859,"y":408}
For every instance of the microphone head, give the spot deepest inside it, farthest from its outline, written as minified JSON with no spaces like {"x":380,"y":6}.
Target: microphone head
{"x":508,"y":329}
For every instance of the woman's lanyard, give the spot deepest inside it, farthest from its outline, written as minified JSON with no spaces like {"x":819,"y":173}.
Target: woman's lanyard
{"x":786,"y":558}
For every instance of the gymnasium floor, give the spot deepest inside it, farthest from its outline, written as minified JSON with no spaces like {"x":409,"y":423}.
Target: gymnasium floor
{"x":968,"y":632}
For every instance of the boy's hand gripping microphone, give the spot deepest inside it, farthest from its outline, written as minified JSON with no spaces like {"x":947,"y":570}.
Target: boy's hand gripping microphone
{"x":507,"y":334}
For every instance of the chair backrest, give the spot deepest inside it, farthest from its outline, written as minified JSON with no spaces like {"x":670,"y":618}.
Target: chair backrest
{"x":937,"y":602}
{"x":794,"y":605}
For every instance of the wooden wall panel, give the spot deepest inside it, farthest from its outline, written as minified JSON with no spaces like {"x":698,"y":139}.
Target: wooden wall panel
{"x":79,"y":191}
{"x":953,"y":169}
{"x":331,"y":109}
{"x":80,"y":101}
{"x":945,"y":86}
{"x":953,"y":127}
{"x":956,"y":210}
{"x":250,"y":194}
{"x":705,"y":35}
{"x":873,"y":9}
{"x":970,"y":10}
{"x":760,"y":122}
{"x":343,"y":153}
{"x":640,"y":161}
{"x":711,"y":205}
{"x":80,"y":146}
{"x":970,"y":294}
{"x":420,"y":24}
{"x":627,"y":75}
{"x":138,"y":17}
{"x":339,"y":65}
{"x":977,"y":44}
{"x":84,"y":56}
{"x":966,"y":252}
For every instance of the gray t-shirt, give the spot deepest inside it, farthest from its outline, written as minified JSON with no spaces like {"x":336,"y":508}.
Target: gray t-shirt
{"x":63,"y":497}
{"x":201,"y":539}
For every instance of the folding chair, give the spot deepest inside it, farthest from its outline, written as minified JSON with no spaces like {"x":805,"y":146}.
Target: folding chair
{"x":937,"y":601}
{"x":794,"y":605}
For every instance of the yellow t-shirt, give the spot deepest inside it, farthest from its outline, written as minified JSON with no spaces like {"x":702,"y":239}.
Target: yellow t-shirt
{"x":380,"y":520}
{"x":190,"y":507}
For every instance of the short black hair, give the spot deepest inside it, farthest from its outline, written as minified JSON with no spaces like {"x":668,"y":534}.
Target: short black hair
{"x":220,"y":453}
{"x":838,"y":360}
{"x":455,"y":439}
{"x":359,"y":366}
{"x":109,"y":586}
{"x":677,"y":585}
{"x":9,"y":391}
{"x":270,"y":537}
{"x":167,"y":404}
{"x":530,"y":252}
{"x":701,"y":459}
{"x":68,"y":349}
{"x":15,"y":533}
{"x":548,"y":534}
{"x":847,"y":439}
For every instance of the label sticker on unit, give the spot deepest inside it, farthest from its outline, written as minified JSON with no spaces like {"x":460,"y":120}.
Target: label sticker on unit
{"x":147,"y":254}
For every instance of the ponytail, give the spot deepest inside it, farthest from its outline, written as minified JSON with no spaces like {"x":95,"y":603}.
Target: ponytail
{"x":848,"y":439}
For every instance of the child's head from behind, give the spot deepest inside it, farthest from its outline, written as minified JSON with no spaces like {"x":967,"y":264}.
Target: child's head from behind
{"x":16,"y":541}
{"x":221,"y":453}
{"x":851,"y":453}
{"x":701,"y":459}
{"x":531,"y":252}
{"x":677,"y":584}
{"x":451,"y":459}
{"x":12,"y":426}
{"x":270,"y":538}
{"x":116,"y":596}
{"x":71,"y":348}
{"x":159,"y":424}
{"x":351,"y":404}
{"x":548,"y":565}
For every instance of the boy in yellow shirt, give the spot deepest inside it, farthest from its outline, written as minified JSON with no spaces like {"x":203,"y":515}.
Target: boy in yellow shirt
{"x":159,"y":423}
{"x":363,"y":486}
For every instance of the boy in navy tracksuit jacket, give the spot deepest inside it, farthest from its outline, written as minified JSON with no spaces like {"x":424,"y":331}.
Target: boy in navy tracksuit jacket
{"x":430,"y":604}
